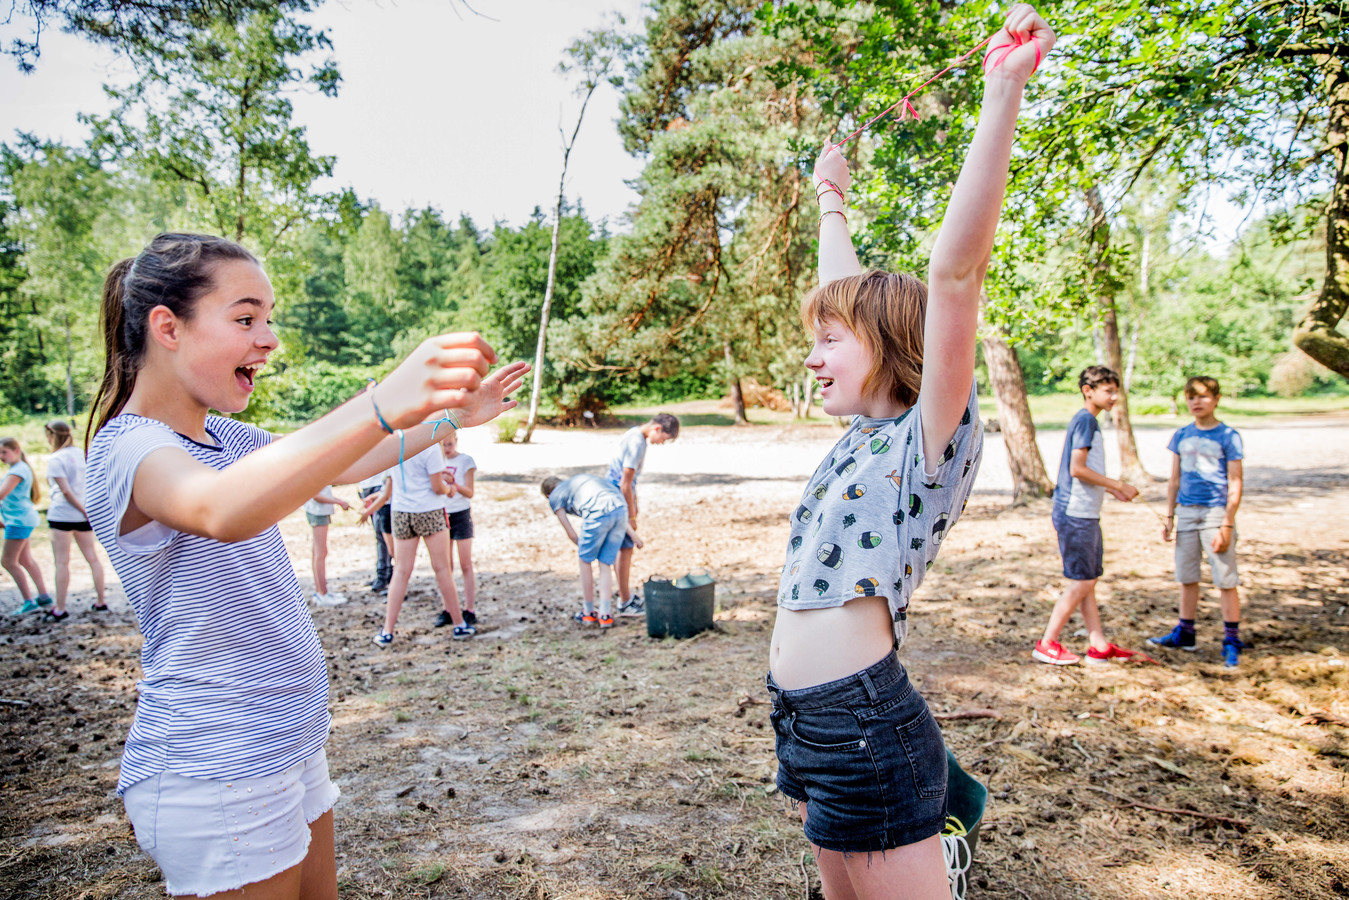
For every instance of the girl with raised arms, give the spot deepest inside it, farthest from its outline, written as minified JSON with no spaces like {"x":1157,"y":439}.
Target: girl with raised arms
{"x":857,"y":746}
{"x":224,"y":775}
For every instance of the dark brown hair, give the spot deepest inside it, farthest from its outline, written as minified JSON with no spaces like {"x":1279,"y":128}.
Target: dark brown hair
{"x":886,"y":311}
{"x":1095,"y":376}
{"x":549,"y":485}
{"x":174,"y":271}
{"x":668,"y":423}
{"x":10,"y":443}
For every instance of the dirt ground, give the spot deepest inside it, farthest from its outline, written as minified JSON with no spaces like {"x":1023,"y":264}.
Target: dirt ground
{"x":541,"y":760}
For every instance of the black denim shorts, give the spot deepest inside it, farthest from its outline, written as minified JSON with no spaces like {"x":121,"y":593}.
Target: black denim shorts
{"x":865,"y":755}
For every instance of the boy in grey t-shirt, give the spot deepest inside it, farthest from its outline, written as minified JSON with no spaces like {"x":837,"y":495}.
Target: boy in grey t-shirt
{"x":1078,"y":494}
{"x":623,"y":471}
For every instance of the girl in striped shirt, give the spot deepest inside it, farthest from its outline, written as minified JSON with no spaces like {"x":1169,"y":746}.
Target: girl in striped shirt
{"x":224,"y":775}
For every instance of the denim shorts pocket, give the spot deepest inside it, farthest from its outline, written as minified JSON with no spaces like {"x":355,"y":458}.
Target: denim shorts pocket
{"x":922,"y":742}
{"x":833,"y":730}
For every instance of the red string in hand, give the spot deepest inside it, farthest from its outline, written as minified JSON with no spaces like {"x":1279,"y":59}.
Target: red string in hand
{"x":1017,"y":41}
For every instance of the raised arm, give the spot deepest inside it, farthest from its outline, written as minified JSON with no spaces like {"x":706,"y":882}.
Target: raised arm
{"x":838,"y":258}
{"x":961,"y":253}
{"x":347,"y":445}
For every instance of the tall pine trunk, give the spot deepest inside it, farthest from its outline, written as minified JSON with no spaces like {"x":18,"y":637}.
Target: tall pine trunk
{"x":1318,"y":335}
{"x":737,"y":395}
{"x":1130,"y":465}
{"x":1029,"y":479}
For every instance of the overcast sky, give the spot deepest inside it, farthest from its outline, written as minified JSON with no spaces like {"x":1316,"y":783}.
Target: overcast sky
{"x":455,"y":111}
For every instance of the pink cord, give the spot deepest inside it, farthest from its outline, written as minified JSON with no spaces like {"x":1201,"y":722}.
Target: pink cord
{"x":1006,"y":49}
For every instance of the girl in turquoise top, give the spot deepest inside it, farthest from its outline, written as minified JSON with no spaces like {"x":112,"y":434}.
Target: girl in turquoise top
{"x":18,"y":493}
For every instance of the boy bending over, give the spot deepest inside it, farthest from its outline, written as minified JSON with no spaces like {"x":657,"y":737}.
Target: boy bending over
{"x":604,"y":525}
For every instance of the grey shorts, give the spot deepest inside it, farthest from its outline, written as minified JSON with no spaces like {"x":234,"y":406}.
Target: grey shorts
{"x":317,"y":521}
{"x":1196,"y":526}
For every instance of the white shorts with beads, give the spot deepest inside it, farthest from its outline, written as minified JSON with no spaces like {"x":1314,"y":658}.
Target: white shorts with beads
{"x":212,"y":835}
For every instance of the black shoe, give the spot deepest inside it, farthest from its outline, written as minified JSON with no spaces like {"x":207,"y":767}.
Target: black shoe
{"x":379,"y":586}
{"x":470,"y":617}
{"x":443,"y":619}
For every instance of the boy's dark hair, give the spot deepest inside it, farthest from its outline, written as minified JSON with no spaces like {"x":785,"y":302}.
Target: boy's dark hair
{"x":549,"y":485}
{"x":1207,"y":381}
{"x":668,"y":424}
{"x":1095,"y":376}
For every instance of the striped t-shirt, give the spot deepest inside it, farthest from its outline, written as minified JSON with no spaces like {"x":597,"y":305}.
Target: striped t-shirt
{"x":234,"y":683}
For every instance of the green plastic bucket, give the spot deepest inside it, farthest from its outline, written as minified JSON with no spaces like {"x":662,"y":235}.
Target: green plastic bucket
{"x":679,"y":608}
{"x":965,"y":799}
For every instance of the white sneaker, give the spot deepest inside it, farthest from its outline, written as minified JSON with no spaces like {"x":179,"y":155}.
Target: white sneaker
{"x":329,"y":599}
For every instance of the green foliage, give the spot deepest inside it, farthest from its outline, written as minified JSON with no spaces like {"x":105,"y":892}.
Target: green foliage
{"x":298,"y":393}
{"x":217,"y":124}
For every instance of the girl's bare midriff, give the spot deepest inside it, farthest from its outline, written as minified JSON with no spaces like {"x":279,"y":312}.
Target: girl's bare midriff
{"x":814,"y":646}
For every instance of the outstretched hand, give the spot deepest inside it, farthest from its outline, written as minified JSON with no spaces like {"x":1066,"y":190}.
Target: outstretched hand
{"x":435,"y":375}
{"x":491,"y":397}
{"x":1019,"y":46}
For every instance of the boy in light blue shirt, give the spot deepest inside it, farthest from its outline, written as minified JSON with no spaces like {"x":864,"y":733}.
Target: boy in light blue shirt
{"x":1201,"y":503}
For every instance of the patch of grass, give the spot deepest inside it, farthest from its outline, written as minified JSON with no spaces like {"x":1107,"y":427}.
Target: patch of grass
{"x":427,"y":874}
{"x":400,"y":715}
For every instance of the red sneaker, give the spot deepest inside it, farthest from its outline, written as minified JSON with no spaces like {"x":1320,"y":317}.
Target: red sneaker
{"x":1110,"y":652}
{"x":587,"y":618}
{"x":1052,"y":652}
{"x":606,"y":621}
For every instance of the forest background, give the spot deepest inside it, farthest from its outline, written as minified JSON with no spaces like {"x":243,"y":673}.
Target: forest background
{"x":1144,"y":109}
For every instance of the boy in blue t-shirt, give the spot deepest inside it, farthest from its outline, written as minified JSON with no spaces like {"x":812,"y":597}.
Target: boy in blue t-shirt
{"x":604,"y":524}
{"x":1201,"y":503}
{"x":1078,"y":494}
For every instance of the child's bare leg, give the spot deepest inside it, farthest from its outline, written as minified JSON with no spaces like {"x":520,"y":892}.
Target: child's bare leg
{"x":61,"y":556}
{"x":465,"y":547}
{"x":438,"y":548}
{"x":587,"y":586}
{"x":86,"y":542}
{"x":404,"y":558}
{"x":606,"y":589}
{"x":1231,"y":603}
{"x":1091,"y":617}
{"x":1068,"y":601}
{"x":913,"y":872}
{"x":624,"y":569}
{"x":10,"y":561}
{"x":1189,"y":600}
{"x":29,"y":562}
{"x":319,"y":558}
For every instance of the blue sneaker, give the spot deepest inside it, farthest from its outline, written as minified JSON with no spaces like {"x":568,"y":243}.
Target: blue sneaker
{"x":28,"y":607}
{"x":1232,"y":648}
{"x":1178,"y":639}
{"x":464,"y":632}
{"x":382,"y":639}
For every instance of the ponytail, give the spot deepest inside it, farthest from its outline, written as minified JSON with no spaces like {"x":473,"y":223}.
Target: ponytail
{"x":58,"y":432}
{"x":174,"y":271}
{"x":10,"y":443}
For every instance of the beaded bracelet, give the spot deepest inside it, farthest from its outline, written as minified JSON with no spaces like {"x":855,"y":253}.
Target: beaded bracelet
{"x":835,"y":212}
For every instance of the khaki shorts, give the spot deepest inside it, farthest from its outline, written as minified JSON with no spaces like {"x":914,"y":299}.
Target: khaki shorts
{"x":409,"y":525}
{"x":1196,"y":527}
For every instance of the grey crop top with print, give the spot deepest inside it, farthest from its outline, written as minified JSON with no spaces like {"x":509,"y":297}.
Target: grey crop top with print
{"x":870,"y":521}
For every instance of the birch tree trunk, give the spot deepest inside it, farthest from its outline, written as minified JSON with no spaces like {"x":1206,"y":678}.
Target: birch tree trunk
{"x":1130,"y":465}
{"x":536,"y":389}
{"x":1029,"y":479}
